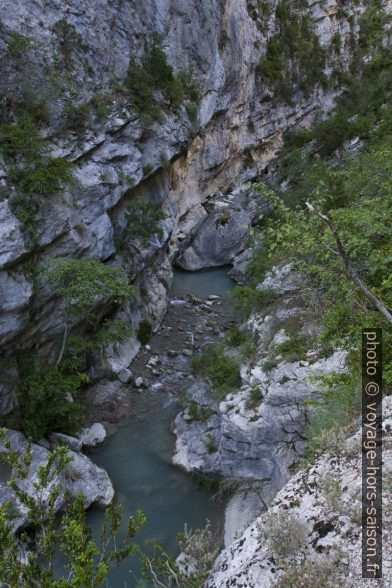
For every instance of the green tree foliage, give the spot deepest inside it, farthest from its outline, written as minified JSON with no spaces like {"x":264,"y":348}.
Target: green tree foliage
{"x":221,"y":369}
{"x":83,"y":283}
{"x":87,"y":562}
{"x":142,"y":217}
{"x":32,"y":171}
{"x":144,"y":331}
{"x":294,"y":56}
{"x":154,"y":75}
{"x":49,"y":399}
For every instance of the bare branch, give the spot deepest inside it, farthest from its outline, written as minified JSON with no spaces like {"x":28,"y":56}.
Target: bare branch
{"x":351,"y":272}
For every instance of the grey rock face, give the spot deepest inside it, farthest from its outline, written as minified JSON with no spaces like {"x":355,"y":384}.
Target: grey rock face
{"x":222,"y":44}
{"x":93,"y":435}
{"x":256,"y":440}
{"x":331,"y":529}
{"x":219,"y":238}
{"x":8,"y":385}
{"x":80,"y":475}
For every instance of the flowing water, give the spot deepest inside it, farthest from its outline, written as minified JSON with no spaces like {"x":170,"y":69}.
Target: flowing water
{"x":138,"y":457}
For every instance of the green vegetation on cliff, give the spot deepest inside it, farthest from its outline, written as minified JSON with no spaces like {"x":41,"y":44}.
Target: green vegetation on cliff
{"x":331,"y":192}
{"x":153,"y":76}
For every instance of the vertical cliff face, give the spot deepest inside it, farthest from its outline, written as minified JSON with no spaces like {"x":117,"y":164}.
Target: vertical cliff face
{"x":74,"y":68}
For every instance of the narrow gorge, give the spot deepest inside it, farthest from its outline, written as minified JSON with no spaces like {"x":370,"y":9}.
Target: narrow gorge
{"x":168,"y":328}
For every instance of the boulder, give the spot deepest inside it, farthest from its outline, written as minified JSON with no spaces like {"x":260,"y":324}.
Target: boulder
{"x":216,"y":240}
{"x":92,"y":436}
{"x":61,"y":439}
{"x":81,"y":475}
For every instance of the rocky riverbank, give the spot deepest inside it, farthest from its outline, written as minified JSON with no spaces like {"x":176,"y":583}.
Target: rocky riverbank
{"x":257,"y":432}
{"x":312,"y":531}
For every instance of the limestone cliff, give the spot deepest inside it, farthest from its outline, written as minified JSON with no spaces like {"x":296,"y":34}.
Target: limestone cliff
{"x":69,"y":60}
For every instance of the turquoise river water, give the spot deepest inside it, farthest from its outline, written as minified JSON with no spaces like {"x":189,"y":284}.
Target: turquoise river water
{"x":137,"y":458}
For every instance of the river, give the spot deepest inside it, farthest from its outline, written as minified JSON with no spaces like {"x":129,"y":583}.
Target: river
{"x":138,"y":456}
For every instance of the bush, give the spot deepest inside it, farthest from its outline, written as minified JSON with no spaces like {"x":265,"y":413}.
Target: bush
{"x":250,"y":299}
{"x":76,"y":116}
{"x":255,"y":398}
{"x":285,"y":534}
{"x":142,"y":217}
{"x":329,"y":423}
{"x":294,"y":56}
{"x":49,"y":400}
{"x":144,"y":331}
{"x":293,"y":349}
{"x":321,"y":573}
{"x":154,"y":75}
{"x":211,"y":480}
{"x":197,"y":412}
{"x":222,"y":370}
{"x":19,"y":44}
{"x":199,"y":549}
{"x":46,"y":178}
{"x":31,"y":171}
{"x":210,"y":444}
{"x":235,"y":337}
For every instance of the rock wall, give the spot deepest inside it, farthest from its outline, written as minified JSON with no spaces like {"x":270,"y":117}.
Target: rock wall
{"x":255,"y":434}
{"x":316,"y":517}
{"x":76,"y":49}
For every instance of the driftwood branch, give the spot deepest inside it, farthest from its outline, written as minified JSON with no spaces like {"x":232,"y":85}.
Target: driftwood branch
{"x":351,"y":272}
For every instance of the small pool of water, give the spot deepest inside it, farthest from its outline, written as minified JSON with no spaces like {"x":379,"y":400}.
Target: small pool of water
{"x":138,"y":457}
{"x":202,"y":283}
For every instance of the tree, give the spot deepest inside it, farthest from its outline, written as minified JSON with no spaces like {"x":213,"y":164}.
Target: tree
{"x":83,"y":283}
{"x":87,"y":564}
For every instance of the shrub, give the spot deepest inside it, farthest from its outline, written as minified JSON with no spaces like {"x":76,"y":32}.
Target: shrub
{"x":235,"y":337}
{"x":142,"y":217}
{"x":76,"y":116}
{"x":211,"y":480}
{"x":222,"y":370}
{"x":250,"y":299}
{"x":270,"y":363}
{"x":294,"y":56}
{"x":255,"y":398}
{"x":325,"y":572}
{"x":197,"y":412}
{"x":69,"y":39}
{"x":251,"y":126}
{"x":33,"y":106}
{"x":100,"y":103}
{"x":31,"y":170}
{"x":22,"y":140}
{"x":49,"y":400}
{"x":19,"y":44}
{"x":154,"y":75}
{"x":293,"y":349}
{"x":330,"y":420}
{"x":199,"y":549}
{"x":147,"y":169}
{"x":285,"y":534}
{"x":144,"y":331}
{"x":46,"y":178}
{"x":210,"y":444}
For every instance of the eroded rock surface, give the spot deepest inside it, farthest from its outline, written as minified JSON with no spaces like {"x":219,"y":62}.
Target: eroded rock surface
{"x":79,"y":476}
{"x":325,"y":503}
{"x":176,"y":162}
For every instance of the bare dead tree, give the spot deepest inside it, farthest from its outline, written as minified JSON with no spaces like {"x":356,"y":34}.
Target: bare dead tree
{"x":351,"y":272}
